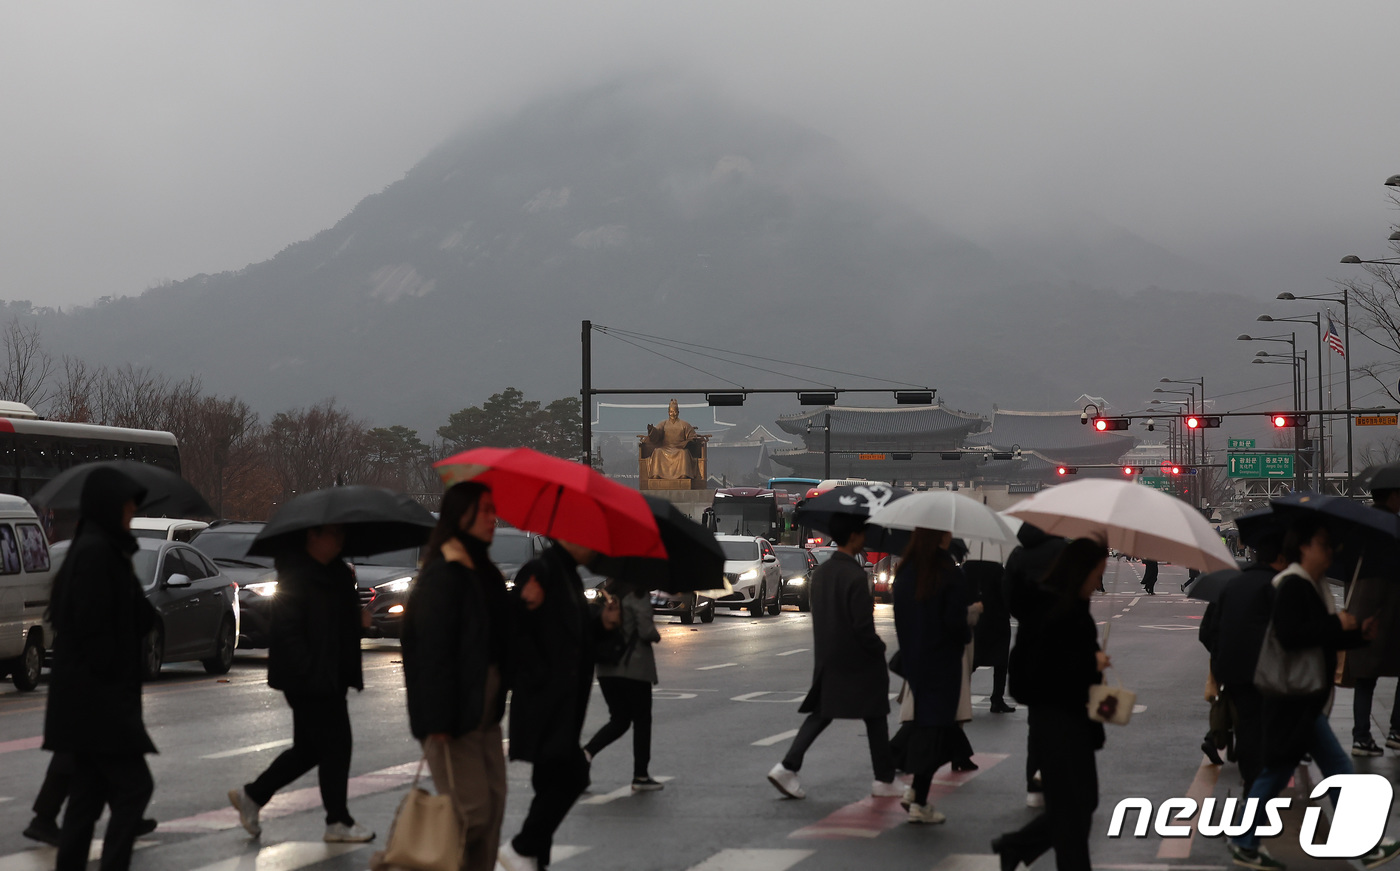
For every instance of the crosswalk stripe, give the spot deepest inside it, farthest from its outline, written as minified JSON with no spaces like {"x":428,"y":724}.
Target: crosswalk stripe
{"x":252,"y":748}
{"x":44,"y":858}
{"x":620,"y":792}
{"x":752,"y":860}
{"x":286,"y":856}
{"x":22,"y":744}
{"x":775,"y":739}
{"x":791,"y":652}
{"x":713,"y":667}
{"x":970,"y":862}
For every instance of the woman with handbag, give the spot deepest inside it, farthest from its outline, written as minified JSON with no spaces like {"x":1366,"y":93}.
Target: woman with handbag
{"x":930,"y":620}
{"x":1295,"y":671}
{"x":626,"y":687}
{"x":1054,"y":663}
{"x":457,"y":632}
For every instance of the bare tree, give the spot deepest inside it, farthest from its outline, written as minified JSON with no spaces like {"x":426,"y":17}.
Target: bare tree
{"x":1377,"y":297}
{"x":220,"y":447}
{"x":27,"y":365}
{"x":75,"y":396}
{"x":316,"y":447}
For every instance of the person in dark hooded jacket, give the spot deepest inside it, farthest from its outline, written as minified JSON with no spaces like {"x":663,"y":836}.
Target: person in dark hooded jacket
{"x":314,"y":659}
{"x":101,"y":618}
{"x":1025,"y":569}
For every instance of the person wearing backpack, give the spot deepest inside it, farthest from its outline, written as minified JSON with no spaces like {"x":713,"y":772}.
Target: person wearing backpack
{"x":627,"y":687}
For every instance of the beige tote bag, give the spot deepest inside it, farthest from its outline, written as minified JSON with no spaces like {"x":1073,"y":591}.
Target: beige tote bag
{"x":427,"y":834}
{"x":1111,"y":704}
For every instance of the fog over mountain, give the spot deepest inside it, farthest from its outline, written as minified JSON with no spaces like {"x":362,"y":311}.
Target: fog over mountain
{"x":653,"y":204}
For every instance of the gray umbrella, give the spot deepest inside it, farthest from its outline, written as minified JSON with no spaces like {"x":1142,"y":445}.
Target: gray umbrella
{"x":1382,"y":477}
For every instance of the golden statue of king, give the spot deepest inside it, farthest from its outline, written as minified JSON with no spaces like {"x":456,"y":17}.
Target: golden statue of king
{"x":671,"y":450}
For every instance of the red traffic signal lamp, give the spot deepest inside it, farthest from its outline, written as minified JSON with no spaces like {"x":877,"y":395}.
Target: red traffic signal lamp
{"x":1066,"y":470}
{"x":1288,"y":421}
{"x":1130,"y":471}
{"x":1196,"y":421}
{"x":1108,"y":424}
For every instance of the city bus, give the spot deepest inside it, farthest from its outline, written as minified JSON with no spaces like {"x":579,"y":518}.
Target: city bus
{"x":34,"y":451}
{"x":746,"y":511}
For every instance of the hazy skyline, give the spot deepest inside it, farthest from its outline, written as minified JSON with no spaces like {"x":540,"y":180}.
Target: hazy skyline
{"x":158,"y":140}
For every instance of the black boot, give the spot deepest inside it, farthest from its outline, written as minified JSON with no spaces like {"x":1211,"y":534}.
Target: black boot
{"x":43,"y":831}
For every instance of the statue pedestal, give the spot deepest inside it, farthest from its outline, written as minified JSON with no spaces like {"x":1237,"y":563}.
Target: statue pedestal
{"x":652,"y":484}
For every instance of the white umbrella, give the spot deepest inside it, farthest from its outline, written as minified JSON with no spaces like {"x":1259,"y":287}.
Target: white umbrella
{"x":945,"y":510}
{"x":1128,"y":517}
{"x":996,"y":552}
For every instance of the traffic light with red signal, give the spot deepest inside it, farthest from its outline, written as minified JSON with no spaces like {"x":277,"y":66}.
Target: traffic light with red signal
{"x":1130,"y":471}
{"x":1109,"y":424}
{"x":1288,"y":421}
{"x":1197,"y":421}
{"x":1066,"y":470}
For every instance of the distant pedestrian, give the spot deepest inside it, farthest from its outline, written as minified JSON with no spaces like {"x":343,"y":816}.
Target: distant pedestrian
{"x":1375,"y":593}
{"x":314,"y":659}
{"x":1149,"y":576}
{"x":1055,"y":661}
{"x":1232,"y":629}
{"x":557,"y":639}
{"x":1026,"y":567}
{"x":1305,"y":616}
{"x":992,"y":635}
{"x":627,"y":687}
{"x":931,"y":621}
{"x":850,"y":680}
{"x":101,"y":620}
{"x":457,"y":634}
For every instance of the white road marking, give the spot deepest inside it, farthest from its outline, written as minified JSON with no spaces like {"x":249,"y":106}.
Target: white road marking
{"x":1138,"y":709}
{"x":286,"y":856}
{"x":970,"y":862}
{"x":252,"y":748}
{"x":1134,"y":601}
{"x":1171,"y":628}
{"x":560,"y":852}
{"x":620,"y":792}
{"x":752,"y":860}
{"x":1116,"y":616}
{"x":774,"y":739}
{"x":791,"y":652}
{"x":713,"y":667}
{"x":44,"y":858}
{"x":797,"y":696}
{"x":5,"y":798}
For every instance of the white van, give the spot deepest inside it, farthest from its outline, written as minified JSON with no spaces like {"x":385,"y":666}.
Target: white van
{"x":26,"y":578}
{"x":168,"y":528}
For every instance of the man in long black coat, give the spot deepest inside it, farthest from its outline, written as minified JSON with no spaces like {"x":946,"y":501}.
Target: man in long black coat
{"x":555,"y":655}
{"x":101,"y":618}
{"x":850,"y":680}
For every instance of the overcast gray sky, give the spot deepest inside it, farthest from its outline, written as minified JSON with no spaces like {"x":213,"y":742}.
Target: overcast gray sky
{"x":145,"y":141}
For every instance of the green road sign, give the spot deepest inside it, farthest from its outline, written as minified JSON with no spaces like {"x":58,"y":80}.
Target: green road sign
{"x":1241,"y":444}
{"x":1163,"y":484}
{"x":1261,"y":465}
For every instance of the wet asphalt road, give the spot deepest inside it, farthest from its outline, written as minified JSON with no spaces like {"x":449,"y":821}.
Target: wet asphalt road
{"x":724,"y":712}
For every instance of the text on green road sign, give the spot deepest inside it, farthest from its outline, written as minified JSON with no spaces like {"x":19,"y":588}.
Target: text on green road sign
{"x":1260,"y":465}
{"x":1241,"y":444}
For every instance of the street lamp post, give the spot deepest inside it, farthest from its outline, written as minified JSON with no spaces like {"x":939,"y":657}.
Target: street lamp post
{"x":1299,"y":392}
{"x":1318,"y":451}
{"x":1201,"y":383}
{"x":1190,"y":409}
{"x":1345,"y":298}
{"x":1292,"y":340}
{"x":1173,"y":443}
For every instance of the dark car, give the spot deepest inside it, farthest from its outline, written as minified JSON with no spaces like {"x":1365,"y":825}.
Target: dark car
{"x":686,"y":606}
{"x":197,"y":603}
{"x":385,"y":580}
{"x":226,"y":543}
{"x":797,"y":564}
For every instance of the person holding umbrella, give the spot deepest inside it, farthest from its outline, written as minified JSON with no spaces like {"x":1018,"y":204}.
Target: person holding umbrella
{"x":314,"y":659}
{"x":100,"y":617}
{"x":850,"y":680}
{"x":1055,"y":661}
{"x":457,"y":635}
{"x":1375,"y":593}
{"x":627,"y":685}
{"x":556,"y":651}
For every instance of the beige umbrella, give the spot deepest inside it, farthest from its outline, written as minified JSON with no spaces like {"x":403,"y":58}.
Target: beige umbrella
{"x":1130,"y":518}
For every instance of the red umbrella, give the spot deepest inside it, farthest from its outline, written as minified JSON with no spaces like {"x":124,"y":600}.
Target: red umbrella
{"x":561,"y":499}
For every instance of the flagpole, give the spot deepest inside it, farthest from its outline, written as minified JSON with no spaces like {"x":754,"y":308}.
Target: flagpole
{"x":1346,"y":345}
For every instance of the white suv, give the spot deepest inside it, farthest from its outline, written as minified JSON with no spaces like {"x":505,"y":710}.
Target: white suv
{"x":752,"y":569}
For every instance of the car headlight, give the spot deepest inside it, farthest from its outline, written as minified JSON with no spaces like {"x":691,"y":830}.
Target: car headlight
{"x":797,"y":580}
{"x":590,"y":594}
{"x":397,"y":609}
{"x":884,"y":576}
{"x":398,"y":585}
{"x":267,"y":588}
{"x":510,"y":585}
{"x":750,"y":575}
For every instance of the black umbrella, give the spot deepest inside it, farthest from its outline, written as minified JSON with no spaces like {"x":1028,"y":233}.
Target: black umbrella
{"x":1353,"y":528}
{"x":695,"y":560}
{"x":376,"y":520}
{"x":858,"y":500}
{"x":1208,"y":587}
{"x":1382,"y":477}
{"x":167,"y":494}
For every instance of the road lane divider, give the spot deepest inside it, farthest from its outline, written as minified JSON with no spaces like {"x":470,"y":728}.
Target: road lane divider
{"x":608,"y":797}
{"x":791,"y":652}
{"x":252,"y":748}
{"x":752,"y":860}
{"x":1202,"y":786}
{"x":713,"y":667}
{"x":775,"y":739}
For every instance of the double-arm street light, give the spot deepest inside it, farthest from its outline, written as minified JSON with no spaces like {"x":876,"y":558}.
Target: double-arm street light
{"x":1344,"y":297}
{"x":1173,"y":443}
{"x":1200,"y":409}
{"x":1316,"y":321}
{"x":1191,"y":408}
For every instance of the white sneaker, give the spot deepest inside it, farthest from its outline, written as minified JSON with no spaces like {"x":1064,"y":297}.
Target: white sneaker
{"x":339,"y":833}
{"x":248,"y":810}
{"x":1035,"y":799}
{"x":908,"y":798}
{"x":880,"y":789}
{"x":786,"y":782}
{"x":925,"y":813}
{"x":513,"y":861}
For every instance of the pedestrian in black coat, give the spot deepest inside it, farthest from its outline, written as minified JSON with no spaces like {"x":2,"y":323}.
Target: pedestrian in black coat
{"x":314,"y":659}
{"x":992,"y":634}
{"x":1055,"y":661}
{"x":930,"y":618}
{"x":101,"y":619}
{"x":554,"y":658}
{"x":457,"y":634}
{"x":1026,"y":567}
{"x":850,"y":680}
{"x":1150,"y":571}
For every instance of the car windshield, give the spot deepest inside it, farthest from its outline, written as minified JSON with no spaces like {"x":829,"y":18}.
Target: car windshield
{"x":823,"y":555}
{"x":230,"y":548}
{"x":792,"y":560}
{"x":144,"y":561}
{"x":511,"y":550}
{"x":740,"y":550}
{"x":148,"y":533}
{"x":407,"y":559}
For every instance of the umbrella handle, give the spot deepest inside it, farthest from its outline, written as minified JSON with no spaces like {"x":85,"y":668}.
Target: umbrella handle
{"x":1351,"y":588}
{"x":1106,"y":627}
